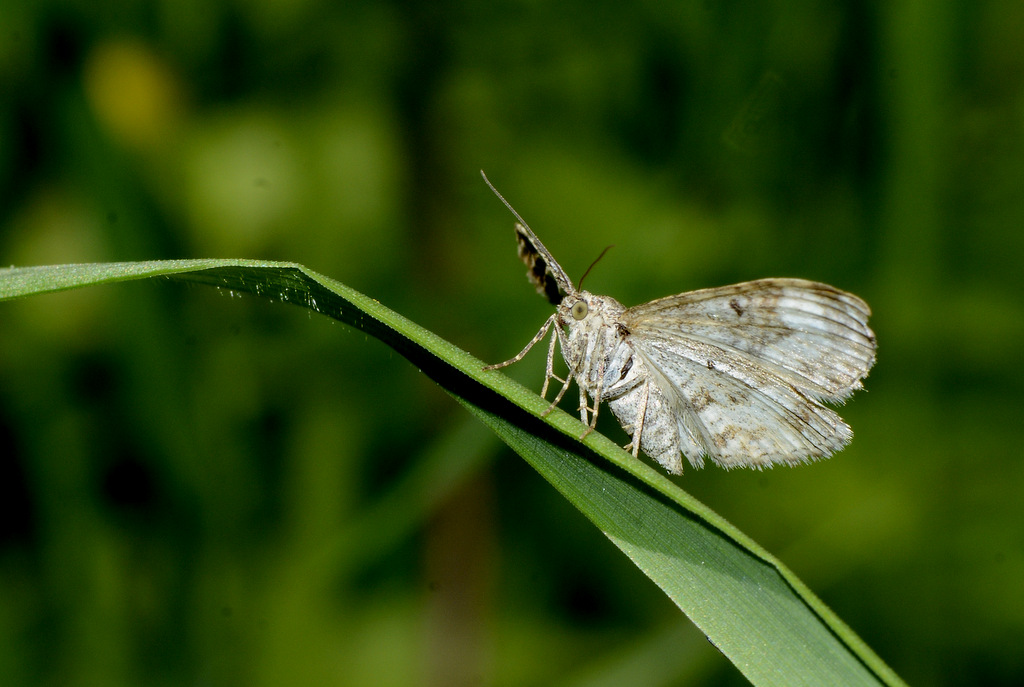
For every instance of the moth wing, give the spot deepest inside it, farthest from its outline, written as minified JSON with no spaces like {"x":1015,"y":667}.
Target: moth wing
{"x":809,"y":335}
{"x":541,"y":268}
{"x":745,"y":366}
{"x":738,"y":414}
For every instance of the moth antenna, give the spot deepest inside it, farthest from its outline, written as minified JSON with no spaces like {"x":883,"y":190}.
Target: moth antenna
{"x":507,"y":204}
{"x":597,"y":260}
{"x":556,"y":270}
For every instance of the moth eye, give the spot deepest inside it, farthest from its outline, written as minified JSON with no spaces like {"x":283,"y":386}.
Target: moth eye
{"x":579,"y":310}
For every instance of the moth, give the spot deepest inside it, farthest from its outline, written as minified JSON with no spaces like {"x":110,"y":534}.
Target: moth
{"x":737,"y":374}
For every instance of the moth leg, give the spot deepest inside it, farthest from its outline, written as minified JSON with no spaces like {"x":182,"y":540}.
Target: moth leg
{"x":533,"y":342}
{"x":592,"y":422}
{"x":584,"y":418}
{"x":598,"y":394}
{"x":638,"y":426}
{"x":561,"y":393}
{"x":583,"y":415}
{"x":549,"y":373}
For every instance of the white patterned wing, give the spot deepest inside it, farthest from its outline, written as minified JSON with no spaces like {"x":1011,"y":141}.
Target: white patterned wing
{"x":745,"y":367}
{"x":738,"y":415}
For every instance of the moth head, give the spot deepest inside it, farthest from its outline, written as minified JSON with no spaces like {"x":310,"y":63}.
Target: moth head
{"x":585,"y":311}
{"x":579,"y":310}
{"x":575,"y":311}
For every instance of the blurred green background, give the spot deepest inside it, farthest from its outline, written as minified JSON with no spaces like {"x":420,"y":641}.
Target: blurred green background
{"x":200,"y":489}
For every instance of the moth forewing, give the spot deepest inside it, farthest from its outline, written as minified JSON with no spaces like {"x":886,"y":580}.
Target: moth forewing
{"x":541,"y":269}
{"x":812,"y":335}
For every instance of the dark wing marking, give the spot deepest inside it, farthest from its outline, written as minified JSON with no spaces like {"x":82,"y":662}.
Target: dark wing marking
{"x":538,"y":268}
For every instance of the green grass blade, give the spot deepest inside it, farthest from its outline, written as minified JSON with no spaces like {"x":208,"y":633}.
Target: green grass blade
{"x":749,"y":605}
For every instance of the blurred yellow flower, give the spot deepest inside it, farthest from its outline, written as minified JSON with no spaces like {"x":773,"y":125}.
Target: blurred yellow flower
{"x":133,"y":93}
